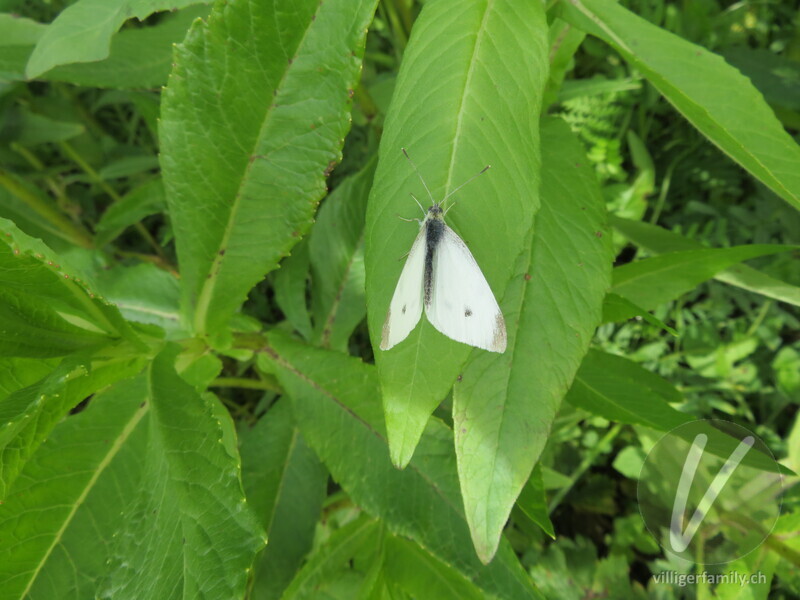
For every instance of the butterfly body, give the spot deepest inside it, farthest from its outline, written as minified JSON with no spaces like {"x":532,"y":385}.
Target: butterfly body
{"x":442,"y":277}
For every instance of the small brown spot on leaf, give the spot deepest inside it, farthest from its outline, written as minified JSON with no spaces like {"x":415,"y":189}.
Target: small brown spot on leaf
{"x":527,"y":276}
{"x":598,"y":234}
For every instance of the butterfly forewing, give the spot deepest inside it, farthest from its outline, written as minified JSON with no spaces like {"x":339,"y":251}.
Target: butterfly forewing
{"x":461,"y":303}
{"x":406,"y":306}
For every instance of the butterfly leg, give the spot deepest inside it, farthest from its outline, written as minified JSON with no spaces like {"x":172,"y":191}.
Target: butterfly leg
{"x":408,"y":220}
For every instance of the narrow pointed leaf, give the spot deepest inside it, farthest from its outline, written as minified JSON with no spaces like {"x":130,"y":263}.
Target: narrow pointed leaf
{"x":621,"y":390}
{"x":468,"y":94}
{"x":334,"y":398}
{"x":285,"y":483}
{"x":663,"y":278}
{"x":254,"y":115}
{"x":336,"y":252}
{"x":321,"y":571}
{"x":716,"y":98}
{"x":503,"y":405}
{"x":660,"y":241}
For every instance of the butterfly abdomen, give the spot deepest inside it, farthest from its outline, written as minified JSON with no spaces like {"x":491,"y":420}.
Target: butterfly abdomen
{"x":434,"y":229}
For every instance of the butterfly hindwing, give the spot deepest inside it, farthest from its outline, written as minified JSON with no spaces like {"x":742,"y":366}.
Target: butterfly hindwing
{"x":461,"y":304}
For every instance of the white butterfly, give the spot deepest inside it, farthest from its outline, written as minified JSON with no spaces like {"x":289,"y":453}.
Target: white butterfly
{"x":441,"y":275}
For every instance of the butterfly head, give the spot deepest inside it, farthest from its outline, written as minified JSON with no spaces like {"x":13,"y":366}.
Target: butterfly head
{"x":435,"y":212}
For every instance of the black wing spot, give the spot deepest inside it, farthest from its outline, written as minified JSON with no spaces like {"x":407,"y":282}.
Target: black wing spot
{"x":404,"y":309}
{"x":467,"y":311}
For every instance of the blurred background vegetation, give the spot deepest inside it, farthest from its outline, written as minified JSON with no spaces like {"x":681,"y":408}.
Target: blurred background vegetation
{"x":79,"y":167}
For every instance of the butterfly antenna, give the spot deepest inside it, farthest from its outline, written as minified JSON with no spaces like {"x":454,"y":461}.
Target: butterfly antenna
{"x":482,"y":171}
{"x":422,"y":208}
{"x":425,"y":185}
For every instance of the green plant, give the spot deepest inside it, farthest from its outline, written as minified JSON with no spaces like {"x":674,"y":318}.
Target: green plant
{"x":190,"y":376}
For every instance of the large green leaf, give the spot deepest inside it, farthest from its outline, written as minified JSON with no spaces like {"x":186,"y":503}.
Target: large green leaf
{"x":717,"y":99}
{"x":188,"y":533}
{"x":468,"y":94}
{"x":653,"y":281}
{"x":254,"y":115}
{"x":82,"y":32}
{"x":70,"y":491}
{"x":504,"y":404}
{"x":285,"y":483}
{"x":334,"y":398}
{"x":29,"y":414}
{"x":336,"y":253}
{"x":660,"y":241}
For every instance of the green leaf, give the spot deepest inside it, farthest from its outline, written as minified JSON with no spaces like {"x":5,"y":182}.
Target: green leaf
{"x":334,"y":400}
{"x":504,"y":404}
{"x":660,"y":241}
{"x":663,"y":278}
{"x":620,"y":390}
{"x":17,"y":38}
{"x":31,"y":128}
{"x":32,"y":328}
{"x":82,"y":32}
{"x":482,"y":89}
{"x":29,"y":414}
{"x":144,"y":293}
{"x":422,"y":575}
{"x":49,"y":310}
{"x":17,"y":373}
{"x":70,"y":491}
{"x":141,"y":202}
{"x":320,"y":572}
{"x":336,"y":253}
{"x":140,"y":57}
{"x":564,"y":42}
{"x":285,"y":484}
{"x":616,"y":309}
{"x":245,"y":148}
{"x":189,"y":532}
{"x":712,"y":95}
{"x":533,"y":502}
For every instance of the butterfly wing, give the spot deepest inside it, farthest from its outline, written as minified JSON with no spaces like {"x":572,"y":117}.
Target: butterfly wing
{"x":406,"y":305}
{"x":462,"y":305}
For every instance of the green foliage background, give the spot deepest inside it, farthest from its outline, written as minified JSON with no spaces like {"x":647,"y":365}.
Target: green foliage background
{"x":199,"y":243}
